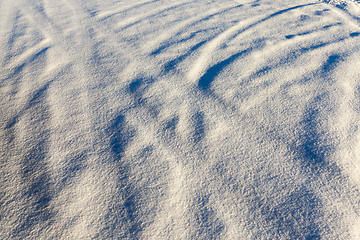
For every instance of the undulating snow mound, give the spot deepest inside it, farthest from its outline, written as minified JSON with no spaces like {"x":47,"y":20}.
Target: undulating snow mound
{"x":162,"y":119}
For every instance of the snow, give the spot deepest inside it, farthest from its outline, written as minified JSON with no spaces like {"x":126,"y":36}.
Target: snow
{"x":159,"y":119}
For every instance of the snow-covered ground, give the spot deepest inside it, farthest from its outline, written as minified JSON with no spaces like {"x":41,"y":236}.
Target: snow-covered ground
{"x":179,"y":119}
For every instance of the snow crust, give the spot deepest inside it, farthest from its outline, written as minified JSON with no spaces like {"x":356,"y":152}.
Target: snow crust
{"x":179,"y":119}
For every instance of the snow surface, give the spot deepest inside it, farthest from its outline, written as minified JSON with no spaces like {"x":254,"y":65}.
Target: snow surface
{"x":182,"y":119}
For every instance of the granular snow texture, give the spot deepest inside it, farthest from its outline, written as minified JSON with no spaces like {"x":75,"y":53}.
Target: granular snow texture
{"x":179,"y":119}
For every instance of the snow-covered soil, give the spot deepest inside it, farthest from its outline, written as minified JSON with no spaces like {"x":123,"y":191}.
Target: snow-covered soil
{"x":179,"y":119}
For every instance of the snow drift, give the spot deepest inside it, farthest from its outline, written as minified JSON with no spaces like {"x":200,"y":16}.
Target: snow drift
{"x":159,"y":119}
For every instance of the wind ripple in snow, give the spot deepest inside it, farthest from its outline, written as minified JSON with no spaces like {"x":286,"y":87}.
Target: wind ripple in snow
{"x":188,"y":119}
